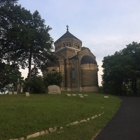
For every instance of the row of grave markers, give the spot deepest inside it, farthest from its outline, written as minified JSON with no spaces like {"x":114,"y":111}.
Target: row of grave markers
{"x":15,"y":93}
{"x":56,"y":128}
{"x":80,"y":95}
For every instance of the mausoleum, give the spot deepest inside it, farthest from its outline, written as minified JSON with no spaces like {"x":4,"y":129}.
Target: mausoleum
{"x":77,"y":66}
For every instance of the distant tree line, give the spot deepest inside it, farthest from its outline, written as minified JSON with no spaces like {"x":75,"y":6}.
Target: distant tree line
{"x":122,"y":71}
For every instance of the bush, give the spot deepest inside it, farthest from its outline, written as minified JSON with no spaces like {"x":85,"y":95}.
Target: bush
{"x":36,"y":85}
{"x":53,"y":79}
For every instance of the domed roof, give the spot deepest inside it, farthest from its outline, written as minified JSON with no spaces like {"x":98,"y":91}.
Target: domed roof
{"x":87,"y":59}
{"x":66,"y":36}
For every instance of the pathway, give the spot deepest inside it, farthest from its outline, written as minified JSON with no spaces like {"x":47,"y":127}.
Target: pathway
{"x":125,"y":125}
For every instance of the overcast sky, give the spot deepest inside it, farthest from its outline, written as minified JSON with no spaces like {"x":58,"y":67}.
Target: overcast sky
{"x":104,"y":26}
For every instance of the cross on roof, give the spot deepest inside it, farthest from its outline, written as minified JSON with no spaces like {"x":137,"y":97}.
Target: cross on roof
{"x":67,"y":27}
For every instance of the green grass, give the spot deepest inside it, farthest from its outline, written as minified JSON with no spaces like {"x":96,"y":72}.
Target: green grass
{"x":21,"y":116}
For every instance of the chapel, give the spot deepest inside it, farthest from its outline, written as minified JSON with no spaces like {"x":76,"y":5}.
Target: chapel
{"x":77,"y":66}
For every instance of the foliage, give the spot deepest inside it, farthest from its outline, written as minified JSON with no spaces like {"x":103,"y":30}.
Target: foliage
{"x":34,"y":72}
{"x":39,"y":84}
{"x":53,"y":79}
{"x":36,"y":85}
{"x":122,"y":71}
{"x":24,"y":40}
{"x":82,"y":48}
{"x":9,"y":74}
{"x":3,"y":2}
{"x":21,"y":116}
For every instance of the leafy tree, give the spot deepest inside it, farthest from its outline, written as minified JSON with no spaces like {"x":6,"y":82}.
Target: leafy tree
{"x":24,"y":38}
{"x":53,"y":79}
{"x":37,"y":85}
{"x":114,"y":73}
{"x":122,"y":71}
{"x":3,"y":2}
{"x":34,"y":72}
{"x":82,"y":48}
{"x":9,"y":74}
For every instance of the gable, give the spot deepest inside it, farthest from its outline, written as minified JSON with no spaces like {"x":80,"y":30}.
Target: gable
{"x":85,"y":52}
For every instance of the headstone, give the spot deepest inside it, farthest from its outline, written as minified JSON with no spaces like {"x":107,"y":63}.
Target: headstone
{"x":106,"y":97}
{"x":10,"y":92}
{"x":21,"y":89}
{"x":33,"y":135}
{"x":74,"y":123}
{"x":69,"y":95}
{"x":61,"y":127}
{"x":42,"y":133}
{"x":83,"y":121}
{"x":88,"y":119}
{"x":15,"y":92}
{"x":81,"y":96}
{"x":54,"y":89}
{"x":27,"y":94}
{"x":53,"y":129}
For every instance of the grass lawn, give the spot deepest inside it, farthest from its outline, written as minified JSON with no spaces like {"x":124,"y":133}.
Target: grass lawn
{"x":21,"y":116}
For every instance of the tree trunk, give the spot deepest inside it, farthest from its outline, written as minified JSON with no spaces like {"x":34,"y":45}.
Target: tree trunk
{"x":29,"y":69}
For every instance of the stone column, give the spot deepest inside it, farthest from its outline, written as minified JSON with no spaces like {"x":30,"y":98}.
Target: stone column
{"x":62,"y":71}
{"x":68,"y":75}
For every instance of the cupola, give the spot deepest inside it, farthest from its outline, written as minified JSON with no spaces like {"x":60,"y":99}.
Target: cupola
{"x":68,"y":40}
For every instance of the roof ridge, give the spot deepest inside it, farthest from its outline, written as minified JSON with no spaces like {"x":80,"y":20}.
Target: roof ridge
{"x":67,"y":35}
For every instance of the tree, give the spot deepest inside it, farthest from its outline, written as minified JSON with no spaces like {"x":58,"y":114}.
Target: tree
{"x":36,"y":85}
{"x":122,"y":70}
{"x":34,"y":72}
{"x":53,"y":79}
{"x":82,"y":48}
{"x":9,"y":74}
{"x":24,"y":38}
{"x":3,"y":2}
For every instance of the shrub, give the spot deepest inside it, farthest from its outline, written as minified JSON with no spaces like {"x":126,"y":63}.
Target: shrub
{"x":53,"y":79}
{"x":36,"y":85}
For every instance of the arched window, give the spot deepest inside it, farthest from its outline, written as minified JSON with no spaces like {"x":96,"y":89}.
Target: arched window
{"x":73,"y":74}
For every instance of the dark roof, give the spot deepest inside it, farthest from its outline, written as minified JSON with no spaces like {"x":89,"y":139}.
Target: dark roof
{"x":67,"y":35}
{"x":88,"y":59}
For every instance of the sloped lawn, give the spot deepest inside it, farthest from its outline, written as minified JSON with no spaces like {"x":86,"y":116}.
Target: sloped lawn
{"x":21,"y":116}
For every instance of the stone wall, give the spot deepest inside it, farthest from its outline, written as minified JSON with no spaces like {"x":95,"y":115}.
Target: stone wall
{"x":89,"y":75}
{"x":90,"y":88}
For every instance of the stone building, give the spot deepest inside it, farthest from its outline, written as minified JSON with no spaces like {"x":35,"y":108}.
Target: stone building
{"x":77,"y":66}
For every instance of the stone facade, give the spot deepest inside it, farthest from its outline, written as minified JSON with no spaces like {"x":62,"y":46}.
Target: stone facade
{"x":78,"y":67}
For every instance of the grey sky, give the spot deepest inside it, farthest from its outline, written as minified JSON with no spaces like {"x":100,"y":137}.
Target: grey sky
{"x":104,"y":26}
